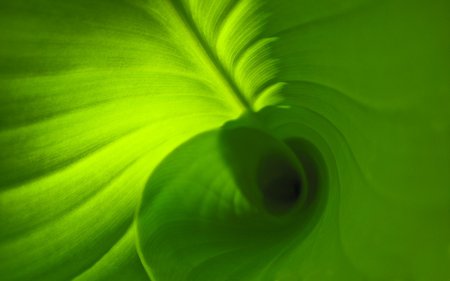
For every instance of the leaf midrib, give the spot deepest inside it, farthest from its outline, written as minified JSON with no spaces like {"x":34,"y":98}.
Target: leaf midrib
{"x":210,"y":54}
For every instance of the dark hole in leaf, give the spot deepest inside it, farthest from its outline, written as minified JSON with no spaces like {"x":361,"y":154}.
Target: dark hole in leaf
{"x":280,"y":184}
{"x":315,"y":172}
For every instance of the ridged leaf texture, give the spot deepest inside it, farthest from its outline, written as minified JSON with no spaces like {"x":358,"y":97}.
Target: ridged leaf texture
{"x":224,"y":140}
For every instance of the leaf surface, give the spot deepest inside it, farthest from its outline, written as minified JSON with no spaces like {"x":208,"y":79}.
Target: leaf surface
{"x":226,"y":140}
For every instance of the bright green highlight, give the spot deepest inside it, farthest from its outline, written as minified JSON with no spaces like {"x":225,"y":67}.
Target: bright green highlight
{"x":224,"y":140}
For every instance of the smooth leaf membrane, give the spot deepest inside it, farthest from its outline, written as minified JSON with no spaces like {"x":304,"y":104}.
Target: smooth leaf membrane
{"x":378,"y":72}
{"x":95,"y":94}
{"x":238,"y":204}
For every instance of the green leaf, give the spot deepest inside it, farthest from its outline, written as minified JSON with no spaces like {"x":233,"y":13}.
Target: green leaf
{"x":225,"y":140}
{"x":223,"y":216}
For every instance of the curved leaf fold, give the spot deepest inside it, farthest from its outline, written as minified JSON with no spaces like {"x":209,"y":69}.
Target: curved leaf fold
{"x":224,"y":140}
